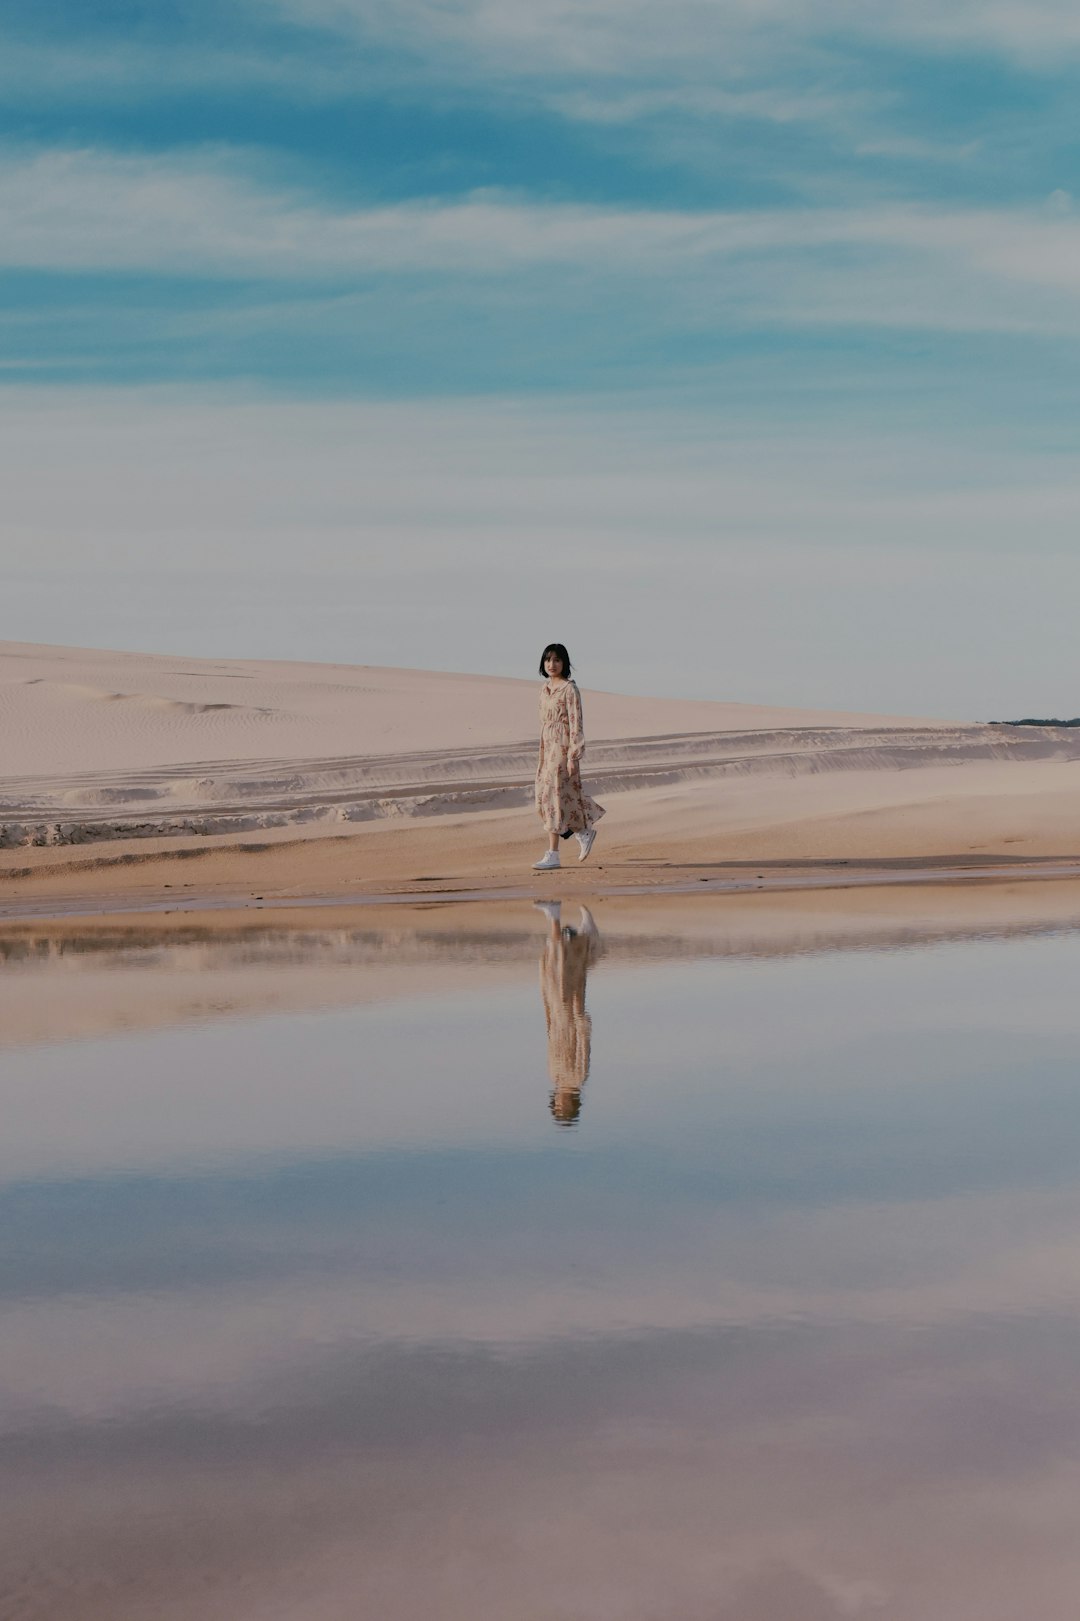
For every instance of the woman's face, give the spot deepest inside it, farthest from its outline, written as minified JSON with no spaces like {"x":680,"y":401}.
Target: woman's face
{"x":553,"y":666}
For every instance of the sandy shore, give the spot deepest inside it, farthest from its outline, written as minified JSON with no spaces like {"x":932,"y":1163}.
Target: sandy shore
{"x":134,"y":780}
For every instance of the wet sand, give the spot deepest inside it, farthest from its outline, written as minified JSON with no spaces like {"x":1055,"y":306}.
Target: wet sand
{"x":346,"y":873}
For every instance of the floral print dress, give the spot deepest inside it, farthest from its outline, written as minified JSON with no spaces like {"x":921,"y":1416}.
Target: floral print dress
{"x":562,"y":803}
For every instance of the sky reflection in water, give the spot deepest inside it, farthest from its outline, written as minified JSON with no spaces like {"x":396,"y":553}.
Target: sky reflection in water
{"x":684,"y":1284}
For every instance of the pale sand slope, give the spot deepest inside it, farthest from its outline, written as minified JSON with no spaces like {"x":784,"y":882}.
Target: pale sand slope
{"x":73,"y":712}
{"x":429,"y":777}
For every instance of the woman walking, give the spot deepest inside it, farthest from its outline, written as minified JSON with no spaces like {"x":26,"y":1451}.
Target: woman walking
{"x":562,"y":803}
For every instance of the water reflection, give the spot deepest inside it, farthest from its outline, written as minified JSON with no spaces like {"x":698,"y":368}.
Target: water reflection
{"x":312,"y":1315}
{"x":564,"y":967}
{"x":63,"y":981}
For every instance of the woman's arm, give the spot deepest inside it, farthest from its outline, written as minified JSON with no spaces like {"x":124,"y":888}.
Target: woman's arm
{"x":577,"y":724}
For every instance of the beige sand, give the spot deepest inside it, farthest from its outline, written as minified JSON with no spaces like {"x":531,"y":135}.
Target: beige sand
{"x":133,"y":779}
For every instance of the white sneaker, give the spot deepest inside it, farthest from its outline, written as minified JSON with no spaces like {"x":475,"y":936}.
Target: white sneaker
{"x":585,"y":840}
{"x":552,"y":910}
{"x":547,"y":861}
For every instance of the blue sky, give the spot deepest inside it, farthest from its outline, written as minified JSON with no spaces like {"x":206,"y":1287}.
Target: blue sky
{"x":787,"y":294}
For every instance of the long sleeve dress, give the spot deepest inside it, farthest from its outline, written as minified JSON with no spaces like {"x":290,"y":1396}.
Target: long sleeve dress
{"x":561,"y":802}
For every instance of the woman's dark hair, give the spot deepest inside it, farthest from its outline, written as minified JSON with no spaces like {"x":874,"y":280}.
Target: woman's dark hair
{"x":560,"y":653}
{"x":566,"y":1106}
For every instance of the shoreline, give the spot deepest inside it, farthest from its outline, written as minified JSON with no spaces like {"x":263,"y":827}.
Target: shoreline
{"x":218,"y":956}
{"x":795,"y":878}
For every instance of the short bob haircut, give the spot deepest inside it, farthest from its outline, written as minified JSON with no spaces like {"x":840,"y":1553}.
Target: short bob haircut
{"x":560,"y":653}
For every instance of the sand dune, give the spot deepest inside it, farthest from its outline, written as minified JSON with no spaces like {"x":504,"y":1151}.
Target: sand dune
{"x":72,"y":711}
{"x":432,"y":774}
{"x":113,"y":745}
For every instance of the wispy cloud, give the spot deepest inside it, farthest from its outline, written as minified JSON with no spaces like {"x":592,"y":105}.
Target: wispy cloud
{"x":602,"y":103}
{"x":609,"y":37}
{"x":1035,"y":33}
{"x":99,"y":71}
{"x":219,"y":215}
{"x":722,"y":101}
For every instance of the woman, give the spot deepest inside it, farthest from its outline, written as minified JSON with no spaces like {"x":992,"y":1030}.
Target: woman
{"x":561,"y":802}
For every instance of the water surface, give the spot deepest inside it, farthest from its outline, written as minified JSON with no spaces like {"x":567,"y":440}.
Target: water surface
{"x":541,"y":1268}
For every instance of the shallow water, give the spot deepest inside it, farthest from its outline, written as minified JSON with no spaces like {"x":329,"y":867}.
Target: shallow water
{"x":491,"y":1271}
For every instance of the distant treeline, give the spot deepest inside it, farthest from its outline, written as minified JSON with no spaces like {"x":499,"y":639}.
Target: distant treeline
{"x":1030,"y":722}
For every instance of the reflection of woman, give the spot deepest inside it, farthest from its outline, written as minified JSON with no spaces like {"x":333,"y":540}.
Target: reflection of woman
{"x":564,"y":966}
{"x":562,"y":803}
